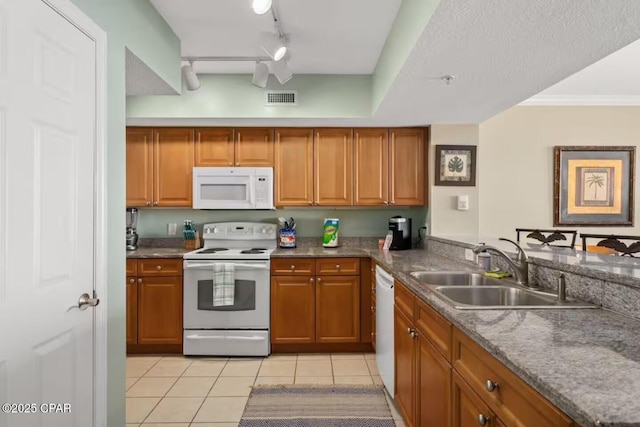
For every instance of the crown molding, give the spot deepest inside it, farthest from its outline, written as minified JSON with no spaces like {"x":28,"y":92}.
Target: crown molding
{"x":584,"y":100}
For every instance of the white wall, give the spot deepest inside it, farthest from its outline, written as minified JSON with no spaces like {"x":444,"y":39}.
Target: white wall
{"x":445,"y":219}
{"x":516,"y":161}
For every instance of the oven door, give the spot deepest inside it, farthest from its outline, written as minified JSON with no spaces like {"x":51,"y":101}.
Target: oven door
{"x":251,"y":296}
{"x":223,"y":188}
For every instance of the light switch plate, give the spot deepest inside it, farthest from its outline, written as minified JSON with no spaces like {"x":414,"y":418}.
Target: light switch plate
{"x":172,"y":228}
{"x":468,"y":255}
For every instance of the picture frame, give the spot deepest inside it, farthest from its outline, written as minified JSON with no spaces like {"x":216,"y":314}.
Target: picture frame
{"x":455,"y":165}
{"x":593,"y":186}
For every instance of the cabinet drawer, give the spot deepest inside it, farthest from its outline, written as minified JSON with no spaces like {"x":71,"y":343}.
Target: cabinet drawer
{"x":159,"y":267}
{"x":132,"y":267}
{"x":403,"y":299}
{"x":513,"y":401}
{"x":435,"y":327}
{"x":341,"y":266}
{"x":296,"y":266}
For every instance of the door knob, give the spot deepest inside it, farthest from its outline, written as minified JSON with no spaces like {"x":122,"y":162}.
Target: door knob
{"x":86,"y":301}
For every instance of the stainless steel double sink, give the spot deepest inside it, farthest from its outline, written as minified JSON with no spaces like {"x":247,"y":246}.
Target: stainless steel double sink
{"x":473,"y":291}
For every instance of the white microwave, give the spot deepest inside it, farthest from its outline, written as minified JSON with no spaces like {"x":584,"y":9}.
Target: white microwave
{"x":232,"y":188}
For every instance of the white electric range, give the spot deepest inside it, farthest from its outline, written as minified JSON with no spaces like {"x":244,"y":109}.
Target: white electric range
{"x":241,"y":329}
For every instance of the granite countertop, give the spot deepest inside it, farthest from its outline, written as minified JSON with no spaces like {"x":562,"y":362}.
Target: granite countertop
{"x":155,"y":252}
{"x":586,"y":362}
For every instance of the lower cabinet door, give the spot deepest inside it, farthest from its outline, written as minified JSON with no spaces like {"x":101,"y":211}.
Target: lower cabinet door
{"x":337,"y":309}
{"x":468,"y":409}
{"x":405,"y":371}
{"x":132,"y":311}
{"x":293,"y":316}
{"x":433,"y":388}
{"x":160,"y":310}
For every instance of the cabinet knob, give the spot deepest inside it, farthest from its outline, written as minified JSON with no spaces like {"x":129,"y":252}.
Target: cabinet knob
{"x":293,"y":267}
{"x":311,"y":279}
{"x":319,"y":280}
{"x":386,"y":202}
{"x":337,"y":266}
{"x":409,"y":331}
{"x":148,"y":203}
{"x":483,"y":420}
{"x":414,"y":334}
{"x":139,"y":280}
{"x":230,"y":163}
{"x":158,"y":267}
{"x":491,"y":386}
{"x":132,"y":281}
{"x":237,"y":163}
{"x":310,"y":202}
{"x":393,"y":202}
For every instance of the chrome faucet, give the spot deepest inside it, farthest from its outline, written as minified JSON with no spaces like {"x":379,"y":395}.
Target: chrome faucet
{"x":520,"y":266}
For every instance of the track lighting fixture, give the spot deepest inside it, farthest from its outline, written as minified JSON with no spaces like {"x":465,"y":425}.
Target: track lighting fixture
{"x":260,"y":75}
{"x":273,"y":46}
{"x":190,"y":77}
{"x":260,"y":7}
{"x":281,"y":71}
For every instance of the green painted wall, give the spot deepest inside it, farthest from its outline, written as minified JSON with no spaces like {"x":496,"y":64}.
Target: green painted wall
{"x":410,"y":22}
{"x":137,"y":25}
{"x":233,"y":96}
{"x":360,"y":222}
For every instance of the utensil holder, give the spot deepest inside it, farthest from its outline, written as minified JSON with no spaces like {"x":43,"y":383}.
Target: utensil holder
{"x":287,"y":238}
{"x":194,"y":243}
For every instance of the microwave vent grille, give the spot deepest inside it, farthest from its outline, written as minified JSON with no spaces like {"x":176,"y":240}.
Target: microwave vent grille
{"x":282,"y":97}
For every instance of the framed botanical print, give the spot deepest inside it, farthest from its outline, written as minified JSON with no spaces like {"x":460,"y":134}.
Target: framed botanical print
{"x":593,"y":186}
{"x":456,"y":165}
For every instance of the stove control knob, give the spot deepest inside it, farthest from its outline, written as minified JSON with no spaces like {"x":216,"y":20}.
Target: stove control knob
{"x":264,"y":230}
{"x":215,"y":230}
{"x":207,"y":230}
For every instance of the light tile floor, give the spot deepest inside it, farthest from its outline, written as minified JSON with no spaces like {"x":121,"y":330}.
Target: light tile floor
{"x":212,"y":392}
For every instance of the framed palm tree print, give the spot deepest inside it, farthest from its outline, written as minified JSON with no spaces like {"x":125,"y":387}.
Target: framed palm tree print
{"x":456,"y":165}
{"x":593,"y":186}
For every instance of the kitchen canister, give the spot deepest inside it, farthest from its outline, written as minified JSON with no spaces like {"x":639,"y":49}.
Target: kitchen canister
{"x":287,"y":238}
{"x":330,"y":232}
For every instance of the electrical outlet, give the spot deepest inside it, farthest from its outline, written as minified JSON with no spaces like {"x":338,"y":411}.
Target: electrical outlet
{"x":468,"y":255}
{"x":172,"y":228}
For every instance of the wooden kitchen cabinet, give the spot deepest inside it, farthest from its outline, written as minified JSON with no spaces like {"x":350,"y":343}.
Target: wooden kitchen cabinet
{"x":160,"y":167}
{"x":154,"y":305}
{"x":139,"y":155}
{"x":293,"y":167}
{"x":405,"y":366}
{"x":293,"y":318}
{"x":214,"y":147}
{"x":407,"y":165}
{"x":254,"y":147}
{"x":433,"y":388}
{"x":160,"y":310}
{"x":132,"y":310}
{"x":469,"y":409}
{"x":337,"y":309}
{"x":371,"y":167}
{"x":333,"y":167}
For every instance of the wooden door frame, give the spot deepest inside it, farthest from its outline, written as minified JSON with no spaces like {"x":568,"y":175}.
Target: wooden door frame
{"x":80,"y":20}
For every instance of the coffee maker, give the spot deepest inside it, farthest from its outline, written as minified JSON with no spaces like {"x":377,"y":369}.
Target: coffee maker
{"x":132,"y":235}
{"x":400,"y":228}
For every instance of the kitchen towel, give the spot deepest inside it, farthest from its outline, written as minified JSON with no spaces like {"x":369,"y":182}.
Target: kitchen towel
{"x":223,"y":284}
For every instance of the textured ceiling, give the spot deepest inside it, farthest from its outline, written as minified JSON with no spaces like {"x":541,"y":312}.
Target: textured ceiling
{"x":502,"y":52}
{"x":325,"y":37}
{"x":142,"y":80}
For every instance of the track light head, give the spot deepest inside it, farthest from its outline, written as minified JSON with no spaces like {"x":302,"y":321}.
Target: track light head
{"x":190,"y":77}
{"x":273,"y":46}
{"x":260,"y":75}
{"x":281,"y":71}
{"x":260,"y":7}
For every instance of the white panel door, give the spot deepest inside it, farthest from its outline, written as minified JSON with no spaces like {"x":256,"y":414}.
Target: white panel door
{"x":47,"y":149}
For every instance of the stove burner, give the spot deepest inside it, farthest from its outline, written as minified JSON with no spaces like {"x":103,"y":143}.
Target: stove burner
{"x":213,"y":250}
{"x":252,"y":251}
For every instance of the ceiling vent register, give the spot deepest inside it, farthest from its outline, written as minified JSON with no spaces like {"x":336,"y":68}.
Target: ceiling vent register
{"x":282,"y":97}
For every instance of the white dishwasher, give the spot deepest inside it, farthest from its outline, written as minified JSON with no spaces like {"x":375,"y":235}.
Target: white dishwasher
{"x":384,"y":328}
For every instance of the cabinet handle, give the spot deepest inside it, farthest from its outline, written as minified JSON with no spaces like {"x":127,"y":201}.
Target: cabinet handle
{"x":132,"y":281}
{"x":491,"y":386}
{"x":483,"y":420}
{"x":139,"y":280}
{"x":158,"y":267}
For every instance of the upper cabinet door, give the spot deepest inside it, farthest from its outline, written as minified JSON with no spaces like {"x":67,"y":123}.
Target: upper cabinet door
{"x":214,"y":147}
{"x":139,"y":166}
{"x":333,"y":168}
{"x":294,"y":167}
{"x":407,"y":162}
{"x":173,"y":166}
{"x":254,"y":147}
{"x":371,"y":167}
